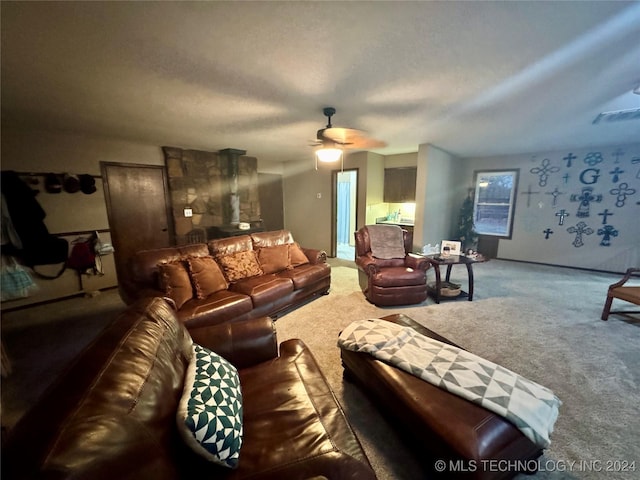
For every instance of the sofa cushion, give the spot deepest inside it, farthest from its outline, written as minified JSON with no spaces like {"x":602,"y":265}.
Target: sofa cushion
{"x":209,"y":416}
{"x":306,"y":275}
{"x":175,"y":282}
{"x":274,"y":259}
{"x":264,"y":289}
{"x":206,"y":276}
{"x":289,"y":410}
{"x":227,"y":246}
{"x":271,"y":238}
{"x":296,"y":255}
{"x":142,"y":272}
{"x":239,"y":265}
{"x":398,"y":277}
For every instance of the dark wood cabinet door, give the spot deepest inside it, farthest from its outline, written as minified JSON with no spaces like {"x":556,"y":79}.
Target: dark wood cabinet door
{"x":138,"y":207}
{"x":400,"y":185}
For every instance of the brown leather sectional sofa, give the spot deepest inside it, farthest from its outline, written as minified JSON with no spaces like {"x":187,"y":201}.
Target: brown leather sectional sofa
{"x":288,"y":275}
{"x":112,"y":415}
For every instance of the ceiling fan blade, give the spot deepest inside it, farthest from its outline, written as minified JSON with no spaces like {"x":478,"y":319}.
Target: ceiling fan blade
{"x":352,"y":138}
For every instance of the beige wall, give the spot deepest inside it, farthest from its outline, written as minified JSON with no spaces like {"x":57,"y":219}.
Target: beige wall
{"x":305,"y":215}
{"x":401,"y":160}
{"x":437,"y":196}
{"x":309,"y":217}
{"x":371,"y":189}
{"x":42,"y":152}
{"x":528,"y":242}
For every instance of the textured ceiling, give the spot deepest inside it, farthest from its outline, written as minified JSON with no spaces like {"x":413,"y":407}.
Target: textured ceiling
{"x":473,"y":78}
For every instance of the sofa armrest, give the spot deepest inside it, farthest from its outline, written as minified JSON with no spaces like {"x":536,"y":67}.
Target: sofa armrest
{"x":243,"y":343}
{"x":315,"y":256}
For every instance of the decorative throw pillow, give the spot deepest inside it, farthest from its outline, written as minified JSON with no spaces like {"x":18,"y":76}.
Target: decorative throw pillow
{"x":209,"y":415}
{"x":239,"y":265}
{"x":175,"y":282}
{"x":296,"y":255}
{"x":274,"y":259}
{"x":206,"y":276}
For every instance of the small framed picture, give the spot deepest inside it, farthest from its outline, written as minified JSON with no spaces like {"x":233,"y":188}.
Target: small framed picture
{"x":450,"y":247}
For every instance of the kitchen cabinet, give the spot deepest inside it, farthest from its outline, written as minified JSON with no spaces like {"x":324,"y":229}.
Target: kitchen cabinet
{"x":400,"y":184}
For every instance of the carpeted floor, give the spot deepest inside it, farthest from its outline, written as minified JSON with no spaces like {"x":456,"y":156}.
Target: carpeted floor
{"x":541,"y":322}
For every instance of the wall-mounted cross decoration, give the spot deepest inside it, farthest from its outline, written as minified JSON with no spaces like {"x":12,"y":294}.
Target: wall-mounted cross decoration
{"x":565,"y":177}
{"x":562,"y":213}
{"x":607,"y":232}
{"x":568,"y":159}
{"x":528,"y":193}
{"x":605,"y":214}
{"x":585,"y":199}
{"x":621,"y":192}
{"x":547,"y":232}
{"x":543,"y":171}
{"x":616,"y":172}
{"x":636,"y":161}
{"x":593,"y":158}
{"x":580,"y":229}
{"x":618,"y":153}
{"x":555,"y":194}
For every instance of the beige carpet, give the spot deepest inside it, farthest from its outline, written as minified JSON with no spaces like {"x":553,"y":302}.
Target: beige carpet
{"x":541,"y":322}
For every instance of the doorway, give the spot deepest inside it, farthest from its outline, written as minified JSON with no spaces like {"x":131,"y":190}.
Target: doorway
{"x":138,"y":209}
{"x":345,"y":187}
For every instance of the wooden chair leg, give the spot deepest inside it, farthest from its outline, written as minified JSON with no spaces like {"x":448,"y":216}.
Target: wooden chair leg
{"x":607,"y":308}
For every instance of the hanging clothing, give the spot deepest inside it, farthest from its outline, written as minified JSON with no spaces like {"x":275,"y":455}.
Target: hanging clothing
{"x":36,"y":246}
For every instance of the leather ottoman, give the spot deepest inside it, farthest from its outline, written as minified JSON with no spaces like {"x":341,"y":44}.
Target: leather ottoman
{"x":456,"y":437}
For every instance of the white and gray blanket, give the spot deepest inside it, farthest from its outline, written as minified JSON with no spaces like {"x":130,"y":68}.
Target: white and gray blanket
{"x":532,"y":408}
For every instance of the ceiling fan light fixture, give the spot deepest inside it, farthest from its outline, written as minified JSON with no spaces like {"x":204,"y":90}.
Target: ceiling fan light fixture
{"x":328,"y":154}
{"x":332,"y":141}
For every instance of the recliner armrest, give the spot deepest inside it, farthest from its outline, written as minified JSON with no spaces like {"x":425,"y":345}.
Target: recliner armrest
{"x":417,"y":262}
{"x":243,"y":343}
{"x":367,"y":263}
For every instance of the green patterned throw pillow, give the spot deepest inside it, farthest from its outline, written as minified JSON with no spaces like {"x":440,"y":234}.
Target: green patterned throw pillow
{"x":210,"y":411}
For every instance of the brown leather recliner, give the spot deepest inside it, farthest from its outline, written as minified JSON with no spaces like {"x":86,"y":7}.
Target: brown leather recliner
{"x":401,"y":280}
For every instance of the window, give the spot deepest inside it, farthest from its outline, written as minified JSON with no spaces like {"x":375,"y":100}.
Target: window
{"x":495,"y":201}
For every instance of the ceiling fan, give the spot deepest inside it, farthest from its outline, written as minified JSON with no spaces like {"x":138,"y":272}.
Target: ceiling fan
{"x":333,"y":140}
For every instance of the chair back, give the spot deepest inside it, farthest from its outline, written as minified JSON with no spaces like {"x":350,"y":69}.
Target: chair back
{"x":363,"y":241}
